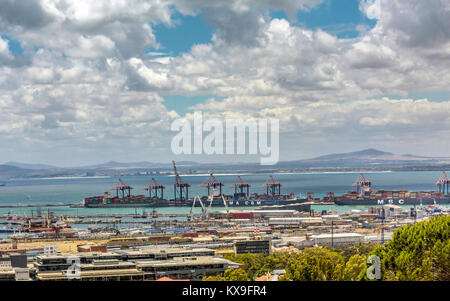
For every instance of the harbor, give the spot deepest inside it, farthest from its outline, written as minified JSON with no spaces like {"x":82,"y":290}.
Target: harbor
{"x":139,"y":241}
{"x":134,"y":242}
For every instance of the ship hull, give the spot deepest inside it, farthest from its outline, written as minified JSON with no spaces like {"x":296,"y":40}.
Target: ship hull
{"x":135,"y":205}
{"x":248,"y":203}
{"x":400,"y":202}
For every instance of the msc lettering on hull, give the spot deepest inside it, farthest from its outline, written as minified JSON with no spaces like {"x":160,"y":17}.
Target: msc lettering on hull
{"x":391,"y":202}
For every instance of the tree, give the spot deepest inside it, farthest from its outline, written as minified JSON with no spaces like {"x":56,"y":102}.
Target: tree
{"x":350,"y":250}
{"x":418,"y":252}
{"x":314,"y":264}
{"x":259,"y":264}
{"x":355,"y":268}
{"x":229,"y":275}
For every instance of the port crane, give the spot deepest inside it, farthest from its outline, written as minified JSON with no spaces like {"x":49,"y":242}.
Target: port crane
{"x":330,"y":197}
{"x":213,"y":183}
{"x":180,"y":188}
{"x":241,"y":187}
{"x":155,"y":189}
{"x":122,"y":190}
{"x":362,"y":184}
{"x":207,"y":210}
{"x":273,"y":188}
{"x":191,"y":213}
{"x":443,"y":183}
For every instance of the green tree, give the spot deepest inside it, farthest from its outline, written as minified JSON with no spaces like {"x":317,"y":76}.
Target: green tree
{"x":350,"y":250}
{"x":259,"y":264}
{"x":355,"y":268}
{"x":314,"y":264}
{"x":229,"y":275}
{"x":418,"y":252}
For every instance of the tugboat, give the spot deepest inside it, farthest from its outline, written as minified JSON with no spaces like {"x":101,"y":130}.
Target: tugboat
{"x":46,"y":225}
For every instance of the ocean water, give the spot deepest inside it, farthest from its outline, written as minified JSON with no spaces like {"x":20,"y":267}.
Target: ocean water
{"x":74,"y":190}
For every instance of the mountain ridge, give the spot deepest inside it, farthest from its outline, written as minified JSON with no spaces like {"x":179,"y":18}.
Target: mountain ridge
{"x":368,"y":158}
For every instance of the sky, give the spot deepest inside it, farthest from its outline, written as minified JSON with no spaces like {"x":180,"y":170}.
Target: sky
{"x":84,"y":82}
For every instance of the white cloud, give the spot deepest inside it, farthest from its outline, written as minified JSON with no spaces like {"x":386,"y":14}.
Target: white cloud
{"x":90,"y":85}
{"x":5,"y":54}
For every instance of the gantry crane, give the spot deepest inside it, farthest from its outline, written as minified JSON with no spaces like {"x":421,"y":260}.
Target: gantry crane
{"x":180,"y":188}
{"x":207,"y":210}
{"x":155,"y":190}
{"x":213,"y":183}
{"x":443,"y":183}
{"x":122,"y":190}
{"x":273,"y":188}
{"x":240,"y":187}
{"x":363,"y":185}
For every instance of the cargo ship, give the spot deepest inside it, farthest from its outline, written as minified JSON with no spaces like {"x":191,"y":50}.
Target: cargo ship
{"x":124,"y":198}
{"x":155,"y":198}
{"x":109,"y":201}
{"x":238,"y":200}
{"x":242,"y":196}
{"x":364,"y":195}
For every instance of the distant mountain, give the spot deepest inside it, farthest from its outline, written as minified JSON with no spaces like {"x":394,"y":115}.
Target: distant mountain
{"x":30,"y":166}
{"x":365,"y":158}
{"x":143,"y":164}
{"x":372,"y":159}
{"x":368,"y":153}
{"x":8,"y":171}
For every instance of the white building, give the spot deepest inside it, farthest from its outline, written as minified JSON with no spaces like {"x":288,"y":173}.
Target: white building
{"x":337,"y":239}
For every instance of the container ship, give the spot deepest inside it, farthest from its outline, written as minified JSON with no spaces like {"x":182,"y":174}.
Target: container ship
{"x":242,"y":196}
{"x":124,"y":198}
{"x":364,"y":195}
{"x":155,"y":198}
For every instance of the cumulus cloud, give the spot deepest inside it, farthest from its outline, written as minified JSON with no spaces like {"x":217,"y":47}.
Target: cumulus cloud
{"x":86,"y":28}
{"x":383,"y":123}
{"x":84,"y":82}
{"x":241,"y":22}
{"x":5,"y":54}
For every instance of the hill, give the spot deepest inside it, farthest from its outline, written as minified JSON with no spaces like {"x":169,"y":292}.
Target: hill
{"x":365,"y":158}
{"x":30,"y":166}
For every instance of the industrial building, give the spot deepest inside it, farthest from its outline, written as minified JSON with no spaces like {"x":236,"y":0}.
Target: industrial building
{"x":337,"y":239}
{"x":256,"y":246}
{"x":59,"y":262}
{"x":194,"y":268}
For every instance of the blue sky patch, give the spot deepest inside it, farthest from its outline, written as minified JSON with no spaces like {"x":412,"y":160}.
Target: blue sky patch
{"x":337,"y":17}
{"x":14,"y":45}
{"x":188,"y":31}
{"x":181,"y":104}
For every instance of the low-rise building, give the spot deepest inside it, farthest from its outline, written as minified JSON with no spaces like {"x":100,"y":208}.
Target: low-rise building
{"x":60,"y":261}
{"x":256,"y":246}
{"x":337,"y":239}
{"x":7,"y":273}
{"x":193,"y":268}
{"x":98,"y":270}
